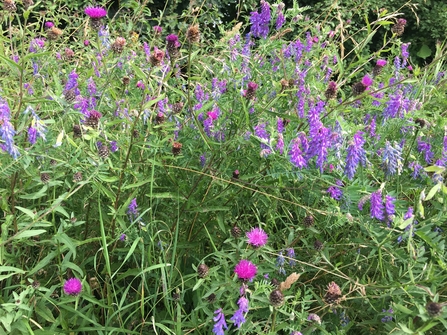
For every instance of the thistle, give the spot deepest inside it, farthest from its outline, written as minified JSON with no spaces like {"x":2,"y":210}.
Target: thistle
{"x":399,"y":27}
{"x":45,"y":177}
{"x":118,"y":45}
{"x":54,"y":33}
{"x":193,"y":34}
{"x":202,"y":270}
{"x":276,"y":298}
{"x":176,"y":148}
{"x":333,"y":293}
{"x":96,"y":14}
{"x":331,"y":91}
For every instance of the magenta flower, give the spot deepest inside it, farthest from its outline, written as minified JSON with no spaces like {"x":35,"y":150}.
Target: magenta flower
{"x":245,"y":270}
{"x":157,"y":29}
{"x":73,"y":286}
{"x":49,"y":24}
{"x":381,"y":62}
{"x":257,"y":237}
{"x":95,"y":12}
{"x":367,"y":81}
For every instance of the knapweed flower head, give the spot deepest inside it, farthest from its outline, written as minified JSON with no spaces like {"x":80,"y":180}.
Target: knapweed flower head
{"x":314,"y":318}
{"x":95,"y":12}
{"x":220,"y":323}
{"x":250,"y":92}
{"x":157,"y":30}
{"x":49,"y":24}
{"x":257,"y":237}
{"x":73,"y":286}
{"x":245,"y":270}
{"x":172,"y":46}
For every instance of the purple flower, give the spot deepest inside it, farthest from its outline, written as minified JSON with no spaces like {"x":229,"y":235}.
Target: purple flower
{"x":367,"y":81}
{"x":396,"y":106}
{"x":113,"y":146}
{"x":387,"y":318}
{"x":404,"y":50}
{"x":157,"y":29}
{"x":257,"y":237}
{"x":37,"y":128}
{"x":220,"y":323}
{"x":298,"y":148}
{"x":409,"y":213}
{"x":36,"y":44}
{"x":7,"y":131}
{"x":377,"y":208}
{"x":392,"y":159}
{"x":73,"y":286}
{"x":291,"y":255}
{"x":173,"y":40}
{"x":123,"y":237}
{"x":356,"y":155}
{"x":245,"y":270}
{"x":132,"y":210}
{"x":389,"y":207}
{"x":280,"y":19}
{"x":381,"y":62}
{"x":72,"y":83}
{"x":335,"y":192}
{"x":49,"y":24}
{"x":260,"y":21}
{"x":425,"y":148}
{"x":95,"y":12}
{"x":280,"y":260}
{"x":238,"y":317}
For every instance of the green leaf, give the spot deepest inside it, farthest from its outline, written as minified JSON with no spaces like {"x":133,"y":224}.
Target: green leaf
{"x":129,"y":253}
{"x":39,"y":194}
{"x":135,"y":185}
{"x":403,"y":309}
{"x":27,"y":211}
{"x":13,"y":271}
{"x":424,"y":51}
{"x":433,"y":191}
{"x":29,"y":233}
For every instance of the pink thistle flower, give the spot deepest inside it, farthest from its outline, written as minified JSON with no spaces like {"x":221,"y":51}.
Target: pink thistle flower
{"x":257,"y":237}
{"x":73,"y":286}
{"x":381,"y":62}
{"x":367,"y":81}
{"x":49,"y":24}
{"x":95,"y":12}
{"x":245,"y":270}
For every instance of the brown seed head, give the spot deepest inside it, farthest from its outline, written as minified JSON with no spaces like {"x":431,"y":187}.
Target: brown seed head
{"x":118,"y":45}
{"x":193,"y":34}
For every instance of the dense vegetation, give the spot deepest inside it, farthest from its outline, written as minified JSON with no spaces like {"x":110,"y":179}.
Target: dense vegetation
{"x":166,"y":176}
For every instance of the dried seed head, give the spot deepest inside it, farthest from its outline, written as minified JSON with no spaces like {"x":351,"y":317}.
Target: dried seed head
{"x":211,"y":298}
{"x":45,"y":177}
{"x":77,"y":177}
{"x":177,"y":107}
{"x":284,"y":84}
{"x":318,"y":245}
{"x":54,"y":33}
{"x":156,"y":57}
{"x":202,"y":270}
{"x":28,"y":3}
{"x":118,"y":45}
{"x":399,"y":27}
{"x":331,"y":91}
{"x":276,"y":298}
{"x":160,"y":118}
{"x":236,"y":232}
{"x":77,"y":132}
{"x":9,"y":6}
{"x":68,"y":53}
{"x":358,"y":88}
{"x":176,"y":148}
{"x":333,"y":293}
{"x":103,"y":151}
{"x":434,"y":309}
{"x":70,"y":95}
{"x":135,"y":133}
{"x":193,"y":34}
{"x":308,"y":221}
{"x":53,"y":162}
{"x":126,"y":81}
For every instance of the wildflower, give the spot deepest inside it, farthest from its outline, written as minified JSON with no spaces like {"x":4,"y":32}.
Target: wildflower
{"x":344,"y":320}
{"x":335,"y":192}
{"x":280,"y":20}
{"x":53,"y":33}
{"x":379,"y":66}
{"x":176,"y":148}
{"x":77,"y":177}
{"x":236,"y":232}
{"x":73,"y":286}
{"x":399,"y":27}
{"x":95,"y":14}
{"x":9,"y":6}
{"x":377,"y":209}
{"x":425,"y":148}
{"x":202,"y":270}
{"x":276,"y":298}
{"x":118,"y":45}
{"x":257,"y":237}
{"x":280,"y":263}
{"x":238,"y":317}
{"x":314,"y":318}
{"x":318,"y":245}
{"x":387,"y":318}
{"x":193,"y":34}
{"x":236,"y":174}
{"x":7,"y":131}
{"x":392,"y":159}
{"x":308,"y":221}
{"x":36,"y":45}
{"x":434,"y":309}
{"x":331,"y":91}
{"x":296,"y":333}
{"x":157,"y":30}
{"x":220,"y":323}
{"x":156,"y":57}
{"x":123,"y":237}
{"x":356,"y":155}
{"x":291,"y":255}
{"x":245,"y":270}
{"x":333,"y":293}
{"x":260,"y":21}
{"x":362,"y":86}
{"x":37,"y":128}
{"x":397,"y":105}
{"x":104,"y":37}
{"x":250,"y":92}
{"x":132,"y":210}
{"x":172,"y":46}
{"x":298,"y":148}
{"x":389,"y":207}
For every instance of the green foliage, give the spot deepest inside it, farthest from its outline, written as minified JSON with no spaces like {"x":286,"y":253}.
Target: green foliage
{"x":142,"y":165}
